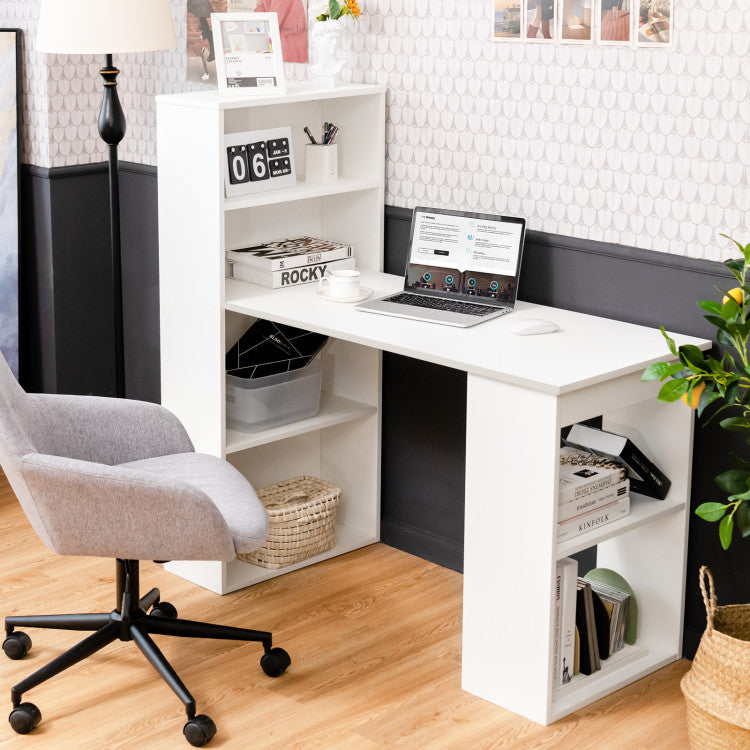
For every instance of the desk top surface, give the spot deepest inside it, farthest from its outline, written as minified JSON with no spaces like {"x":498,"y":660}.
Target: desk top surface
{"x":586,"y":350}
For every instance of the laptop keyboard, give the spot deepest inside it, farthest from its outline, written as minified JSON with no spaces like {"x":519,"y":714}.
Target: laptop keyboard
{"x":439,"y":303}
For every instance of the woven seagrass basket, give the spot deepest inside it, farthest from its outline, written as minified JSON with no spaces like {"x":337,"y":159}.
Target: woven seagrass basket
{"x":717,"y":687}
{"x":302,"y":521}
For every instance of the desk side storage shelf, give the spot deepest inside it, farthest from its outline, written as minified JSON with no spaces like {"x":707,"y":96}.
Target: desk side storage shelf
{"x":197,"y":224}
{"x":648,"y":547}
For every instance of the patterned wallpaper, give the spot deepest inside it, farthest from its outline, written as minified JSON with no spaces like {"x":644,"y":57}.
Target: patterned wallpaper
{"x":643,"y":147}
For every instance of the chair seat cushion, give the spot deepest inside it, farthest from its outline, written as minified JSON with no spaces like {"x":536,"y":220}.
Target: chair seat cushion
{"x":232,"y":494}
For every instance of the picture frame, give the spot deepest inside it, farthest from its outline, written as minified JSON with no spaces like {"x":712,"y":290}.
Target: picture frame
{"x":10,"y":194}
{"x":249,"y":60}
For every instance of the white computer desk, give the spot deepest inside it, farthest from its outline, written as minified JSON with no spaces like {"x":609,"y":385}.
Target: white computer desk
{"x":521,"y":390}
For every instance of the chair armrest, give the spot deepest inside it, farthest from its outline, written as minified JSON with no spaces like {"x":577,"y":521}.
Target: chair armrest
{"x":87,"y":508}
{"x":105,"y":430}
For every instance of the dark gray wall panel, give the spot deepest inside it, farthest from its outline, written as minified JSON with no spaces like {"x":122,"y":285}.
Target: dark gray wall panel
{"x":140,"y":272}
{"x":67,"y":311}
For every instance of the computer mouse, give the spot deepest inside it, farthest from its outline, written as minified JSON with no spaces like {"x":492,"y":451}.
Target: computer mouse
{"x":533,"y":326}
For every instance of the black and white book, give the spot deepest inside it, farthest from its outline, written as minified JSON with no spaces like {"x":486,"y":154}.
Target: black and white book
{"x":645,"y":477}
{"x":586,"y":624}
{"x":588,"y":504}
{"x":297,"y":252}
{"x":291,"y":276}
{"x":567,"y":570}
{"x":583,"y":473}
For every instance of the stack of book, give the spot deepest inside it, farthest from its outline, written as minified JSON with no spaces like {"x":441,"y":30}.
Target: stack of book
{"x":590,"y":620}
{"x":593,"y":491}
{"x":289,"y":262}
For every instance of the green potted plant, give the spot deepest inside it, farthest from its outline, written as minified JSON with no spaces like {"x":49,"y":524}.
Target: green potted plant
{"x":715,"y":688}
{"x":702,"y":380}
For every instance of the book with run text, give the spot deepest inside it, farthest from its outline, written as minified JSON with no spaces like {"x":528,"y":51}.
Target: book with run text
{"x":280,"y":255}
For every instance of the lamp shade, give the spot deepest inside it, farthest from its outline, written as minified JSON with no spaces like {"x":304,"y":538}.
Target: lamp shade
{"x":102,"y":27}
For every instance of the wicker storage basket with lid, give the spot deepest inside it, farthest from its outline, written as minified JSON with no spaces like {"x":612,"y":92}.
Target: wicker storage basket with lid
{"x":717,"y":687}
{"x":302,"y":521}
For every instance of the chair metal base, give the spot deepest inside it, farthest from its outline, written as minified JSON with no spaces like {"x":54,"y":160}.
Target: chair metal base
{"x":130,"y":621}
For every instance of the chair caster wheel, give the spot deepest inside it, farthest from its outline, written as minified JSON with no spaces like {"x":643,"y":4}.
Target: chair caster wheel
{"x":199,"y":730}
{"x":164,"y":609}
{"x":24,"y":717}
{"x":275,"y":662}
{"x":17,"y":645}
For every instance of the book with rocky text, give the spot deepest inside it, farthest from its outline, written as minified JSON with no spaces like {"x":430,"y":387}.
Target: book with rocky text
{"x":290,"y":276}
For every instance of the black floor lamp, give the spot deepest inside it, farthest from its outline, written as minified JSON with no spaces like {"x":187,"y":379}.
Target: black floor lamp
{"x":107,"y":27}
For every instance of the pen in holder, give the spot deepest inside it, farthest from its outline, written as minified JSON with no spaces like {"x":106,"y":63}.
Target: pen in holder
{"x":321,"y":163}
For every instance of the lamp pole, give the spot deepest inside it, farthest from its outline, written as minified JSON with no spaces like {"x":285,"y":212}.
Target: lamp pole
{"x":112,"y":129}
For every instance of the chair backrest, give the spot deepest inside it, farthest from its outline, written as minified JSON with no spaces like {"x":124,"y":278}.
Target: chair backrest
{"x":16,"y":410}
{"x":14,"y":406}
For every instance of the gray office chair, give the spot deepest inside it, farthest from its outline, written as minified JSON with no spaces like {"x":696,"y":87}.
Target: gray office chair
{"x":115,"y":478}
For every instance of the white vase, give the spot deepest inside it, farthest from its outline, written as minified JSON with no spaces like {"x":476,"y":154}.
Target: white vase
{"x":327,"y":55}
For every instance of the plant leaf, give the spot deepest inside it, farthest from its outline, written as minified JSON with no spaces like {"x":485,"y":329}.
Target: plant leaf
{"x":334,"y":9}
{"x":670,"y":341}
{"x":736,"y":424}
{"x":744,"y":250}
{"x":716,"y":320}
{"x":711,"y":306}
{"x":733,"y":481}
{"x":711,"y":511}
{"x":693,"y":354}
{"x":725,"y":531}
{"x":738,"y":461}
{"x":708,"y":396}
{"x":672,"y":390}
{"x":723,"y":337}
{"x":660,"y":370}
{"x":743,"y":518}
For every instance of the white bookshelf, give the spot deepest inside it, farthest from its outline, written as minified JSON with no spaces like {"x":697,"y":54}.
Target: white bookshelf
{"x":197,"y":223}
{"x":521,"y":392}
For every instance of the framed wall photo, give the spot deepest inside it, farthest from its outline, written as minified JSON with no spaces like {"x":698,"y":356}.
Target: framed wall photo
{"x":248,"y":53}
{"x":654,"y":23}
{"x":10,"y":141}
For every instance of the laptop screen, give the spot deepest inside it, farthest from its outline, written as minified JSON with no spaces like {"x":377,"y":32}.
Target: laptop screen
{"x":458,"y":254}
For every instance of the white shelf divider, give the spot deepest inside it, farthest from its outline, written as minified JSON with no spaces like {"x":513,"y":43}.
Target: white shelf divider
{"x":643,"y":510}
{"x":302,"y":191}
{"x":333,"y":410}
{"x":621,"y":669}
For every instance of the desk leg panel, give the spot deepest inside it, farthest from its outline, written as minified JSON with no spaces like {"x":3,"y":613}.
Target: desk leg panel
{"x":512,"y":446}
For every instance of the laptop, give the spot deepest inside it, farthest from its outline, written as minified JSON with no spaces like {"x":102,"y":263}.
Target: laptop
{"x":462,"y":268}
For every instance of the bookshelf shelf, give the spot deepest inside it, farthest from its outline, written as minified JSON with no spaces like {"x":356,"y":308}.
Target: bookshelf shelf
{"x":643,"y":510}
{"x":302,"y":191}
{"x":225,"y":578}
{"x":622,"y":668}
{"x":334,"y":410}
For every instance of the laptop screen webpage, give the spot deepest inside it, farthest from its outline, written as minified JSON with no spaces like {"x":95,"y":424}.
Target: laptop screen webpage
{"x":457,"y":254}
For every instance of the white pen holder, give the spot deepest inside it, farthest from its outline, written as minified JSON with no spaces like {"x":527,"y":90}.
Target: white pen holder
{"x":321,"y":163}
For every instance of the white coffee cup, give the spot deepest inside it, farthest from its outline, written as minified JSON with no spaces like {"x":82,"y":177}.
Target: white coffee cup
{"x":340,"y":284}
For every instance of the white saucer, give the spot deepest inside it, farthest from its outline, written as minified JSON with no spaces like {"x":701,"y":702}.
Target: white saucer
{"x":364,"y":293}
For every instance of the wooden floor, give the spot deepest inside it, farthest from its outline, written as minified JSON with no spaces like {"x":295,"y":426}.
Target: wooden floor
{"x":375,"y":641}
